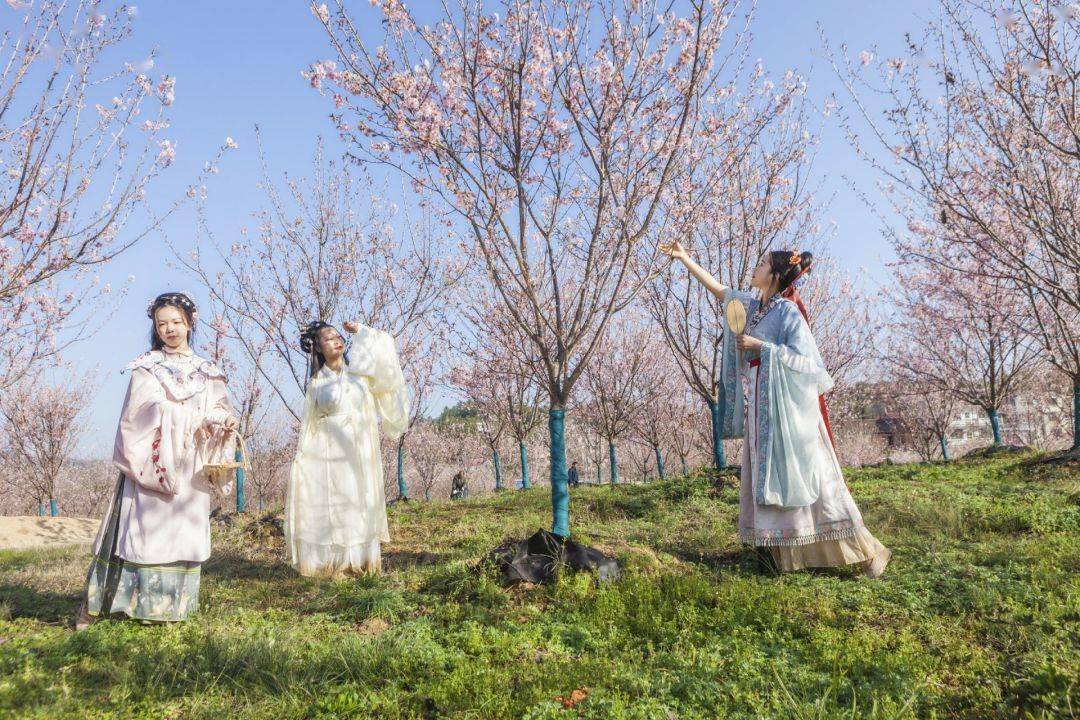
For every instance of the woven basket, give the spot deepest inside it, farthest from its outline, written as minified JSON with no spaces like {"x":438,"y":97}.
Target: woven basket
{"x":222,"y":473}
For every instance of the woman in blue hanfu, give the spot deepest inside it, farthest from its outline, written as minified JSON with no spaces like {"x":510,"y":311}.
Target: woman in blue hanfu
{"x":793,"y":498}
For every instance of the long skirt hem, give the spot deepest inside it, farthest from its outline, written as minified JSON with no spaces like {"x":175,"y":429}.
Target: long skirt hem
{"x":859,"y":548}
{"x":332,"y":560}
{"x":167,"y":592}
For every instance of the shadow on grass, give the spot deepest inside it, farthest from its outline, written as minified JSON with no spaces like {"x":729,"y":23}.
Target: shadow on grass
{"x":27,"y":602}
{"x":237,"y":567}
{"x":393,"y":560}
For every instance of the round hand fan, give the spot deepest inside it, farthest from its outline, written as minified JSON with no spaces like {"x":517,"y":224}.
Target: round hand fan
{"x":736,"y":316}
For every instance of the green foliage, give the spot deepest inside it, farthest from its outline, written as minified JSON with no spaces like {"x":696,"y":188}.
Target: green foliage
{"x":976,"y":617}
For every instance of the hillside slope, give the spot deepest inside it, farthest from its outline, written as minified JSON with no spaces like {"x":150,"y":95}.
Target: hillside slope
{"x":976,"y":617}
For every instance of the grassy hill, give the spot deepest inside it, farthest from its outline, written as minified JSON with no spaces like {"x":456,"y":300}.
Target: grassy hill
{"x":977,"y":616}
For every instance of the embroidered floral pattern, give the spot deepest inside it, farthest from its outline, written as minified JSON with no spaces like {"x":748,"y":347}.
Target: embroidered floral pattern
{"x":155,"y":458}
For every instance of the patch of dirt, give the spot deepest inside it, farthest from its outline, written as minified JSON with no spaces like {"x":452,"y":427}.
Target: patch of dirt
{"x":26,"y":532}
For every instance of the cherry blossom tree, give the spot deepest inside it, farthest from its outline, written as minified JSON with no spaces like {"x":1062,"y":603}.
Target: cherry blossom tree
{"x":80,"y":142}
{"x":982,"y":135}
{"x":554,"y":131}
{"x":619,"y":381}
{"x":957,"y":334}
{"x":42,"y":426}
{"x":749,"y":193}
{"x":488,"y":392}
{"x":923,"y":418}
{"x":324,"y":248}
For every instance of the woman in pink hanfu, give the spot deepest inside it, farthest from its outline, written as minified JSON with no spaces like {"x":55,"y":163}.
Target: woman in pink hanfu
{"x":156,"y":532}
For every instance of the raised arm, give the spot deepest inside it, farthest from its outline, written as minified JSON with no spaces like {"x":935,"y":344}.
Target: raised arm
{"x":675,"y":250}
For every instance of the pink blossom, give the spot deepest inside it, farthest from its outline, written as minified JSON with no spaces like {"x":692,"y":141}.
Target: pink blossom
{"x":866,"y":57}
{"x":167,"y":154}
{"x":166,"y":89}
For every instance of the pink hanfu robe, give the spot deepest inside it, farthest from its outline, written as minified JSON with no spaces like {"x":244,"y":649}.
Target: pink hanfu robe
{"x":156,"y":532}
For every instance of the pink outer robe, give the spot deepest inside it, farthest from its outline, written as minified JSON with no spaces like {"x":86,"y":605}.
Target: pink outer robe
{"x":167,"y":430}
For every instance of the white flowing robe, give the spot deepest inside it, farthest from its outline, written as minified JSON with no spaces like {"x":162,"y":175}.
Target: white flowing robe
{"x":335,"y":512}
{"x":793,"y":497}
{"x":165,"y":434}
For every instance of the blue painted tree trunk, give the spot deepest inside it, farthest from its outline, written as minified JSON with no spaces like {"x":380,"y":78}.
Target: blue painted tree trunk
{"x":685,"y":471}
{"x":613,"y":463}
{"x":53,"y":509}
{"x":560,"y":493}
{"x":240,"y":499}
{"x":262,"y":508}
{"x":1076,"y":413}
{"x":995,"y":425}
{"x":402,"y":494}
{"x":716,"y":412}
{"x":498,"y":469}
{"x":659,"y":463}
{"x":944,"y":447}
{"x":41,"y":509}
{"x":525,"y":484}
{"x":599,"y":476}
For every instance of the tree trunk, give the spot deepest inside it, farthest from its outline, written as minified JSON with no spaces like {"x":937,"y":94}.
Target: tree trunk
{"x":613,"y":465}
{"x":1076,"y":412}
{"x":685,"y":471}
{"x":53,"y":509}
{"x":944,"y":447}
{"x":995,"y":425}
{"x":402,"y":492}
{"x":560,"y":493}
{"x":41,"y":509}
{"x":525,"y":484}
{"x":599,"y":475}
{"x":717,"y":415}
{"x":659,"y":463}
{"x":498,"y":469}
{"x":240,"y":502}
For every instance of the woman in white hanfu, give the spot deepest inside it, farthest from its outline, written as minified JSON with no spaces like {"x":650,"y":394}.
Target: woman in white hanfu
{"x":156,"y":531}
{"x":335,"y":512}
{"x":793,"y":498}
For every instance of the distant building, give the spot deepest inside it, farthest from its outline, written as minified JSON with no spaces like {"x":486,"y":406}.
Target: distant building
{"x":1039,"y":416}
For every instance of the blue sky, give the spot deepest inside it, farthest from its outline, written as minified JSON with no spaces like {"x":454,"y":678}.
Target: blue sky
{"x":238,"y":63}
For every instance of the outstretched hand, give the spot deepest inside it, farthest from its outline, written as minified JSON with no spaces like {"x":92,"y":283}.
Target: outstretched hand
{"x":674,"y":250}
{"x":351,"y":326}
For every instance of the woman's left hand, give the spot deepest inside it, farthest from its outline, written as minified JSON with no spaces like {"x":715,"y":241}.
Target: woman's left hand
{"x":351,"y":326}
{"x":748,"y":342}
{"x":231,"y":423}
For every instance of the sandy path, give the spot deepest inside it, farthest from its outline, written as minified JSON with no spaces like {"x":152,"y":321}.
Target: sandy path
{"x":23,"y":532}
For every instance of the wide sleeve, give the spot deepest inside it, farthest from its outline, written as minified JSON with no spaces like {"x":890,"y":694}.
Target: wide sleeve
{"x":218,"y":407}
{"x":307,"y":420}
{"x":216,"y":445}
{"x":142,"y":450}
{"x":792,"y":377}
{"x":375,"y":358}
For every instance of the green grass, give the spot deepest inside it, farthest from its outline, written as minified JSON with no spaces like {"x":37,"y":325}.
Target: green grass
{"x":977,"y":616}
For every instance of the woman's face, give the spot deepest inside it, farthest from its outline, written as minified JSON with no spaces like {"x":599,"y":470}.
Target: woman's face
{"x":172,"y":327}
{"x":763,"y":276}
{"x":331,"y":344}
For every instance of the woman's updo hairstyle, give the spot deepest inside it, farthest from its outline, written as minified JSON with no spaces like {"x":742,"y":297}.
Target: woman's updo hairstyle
{"x":181,"y":302}
{"x":309,"y":343}
{"x":788,"y":266}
